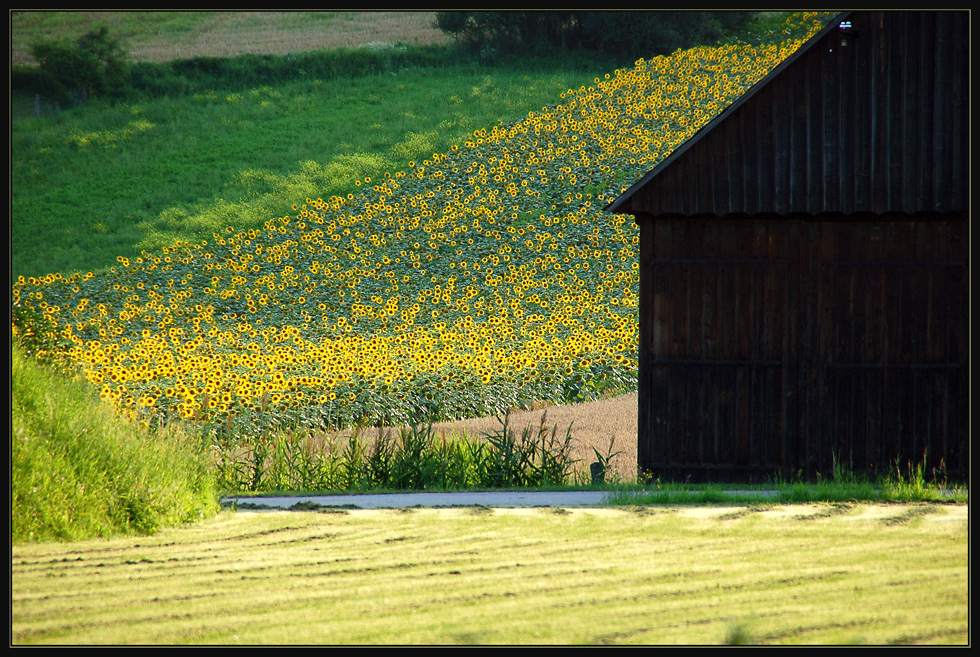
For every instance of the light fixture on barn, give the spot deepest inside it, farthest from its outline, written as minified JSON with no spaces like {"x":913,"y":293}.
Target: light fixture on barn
{"x":846,"y":34}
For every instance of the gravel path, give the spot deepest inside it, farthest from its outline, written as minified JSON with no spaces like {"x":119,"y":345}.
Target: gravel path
{"x":495,"y":499}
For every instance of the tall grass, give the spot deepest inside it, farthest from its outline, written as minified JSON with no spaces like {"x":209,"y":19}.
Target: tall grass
{"x":409,"y":458}
{"x":78,"y":470}
{"x":905,"y":482}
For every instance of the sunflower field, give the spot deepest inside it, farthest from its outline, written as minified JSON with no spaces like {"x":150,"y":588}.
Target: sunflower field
{"x":477,"y":280}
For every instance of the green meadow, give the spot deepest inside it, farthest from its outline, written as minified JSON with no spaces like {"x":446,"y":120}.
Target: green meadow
{"x":110,"y":180}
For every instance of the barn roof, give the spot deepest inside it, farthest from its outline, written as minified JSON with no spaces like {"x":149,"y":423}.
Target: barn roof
{"x":870,"y":116}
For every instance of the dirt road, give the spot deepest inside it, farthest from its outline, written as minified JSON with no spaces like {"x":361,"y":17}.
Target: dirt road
{"x":593,"y":425}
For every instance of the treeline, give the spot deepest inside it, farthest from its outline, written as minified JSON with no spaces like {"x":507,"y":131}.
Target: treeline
{"x":616,"y":33}
{"x":96,"y":63}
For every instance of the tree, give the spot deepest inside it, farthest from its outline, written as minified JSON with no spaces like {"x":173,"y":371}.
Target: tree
{"x":453,"y":22}
{"x":620,"y":33}
{"x":94,"y":64}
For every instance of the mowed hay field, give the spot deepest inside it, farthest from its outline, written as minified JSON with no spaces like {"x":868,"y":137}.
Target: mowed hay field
{"x":164,"y":36}
{"x":812,"y":574}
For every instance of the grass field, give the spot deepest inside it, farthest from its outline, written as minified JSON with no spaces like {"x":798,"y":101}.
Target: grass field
{"x":816,"y":574}
{"x":162,"y":36}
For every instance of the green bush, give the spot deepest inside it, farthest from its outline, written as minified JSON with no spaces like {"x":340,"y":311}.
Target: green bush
{"x":80,"y":471}
{"x":199,"y":74}
{"x":94,"y":64}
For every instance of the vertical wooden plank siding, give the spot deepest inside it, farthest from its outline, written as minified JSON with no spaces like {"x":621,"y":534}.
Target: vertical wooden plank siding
{"x":832,"y":108}
{"x":776,"y":99}
{"x":875,"y":126}
{"x":958,"y":63}
{"x":849,"y":139}
{"x":804,"y":281}
{"x":912,"y":62}
{"x":647,"y":343}
{"x":893,"y":368}
{"x":720,"y":296}
{"x":785,"y":346}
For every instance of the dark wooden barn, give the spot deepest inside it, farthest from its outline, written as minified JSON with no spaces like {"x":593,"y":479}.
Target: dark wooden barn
{"x":804,"y":282}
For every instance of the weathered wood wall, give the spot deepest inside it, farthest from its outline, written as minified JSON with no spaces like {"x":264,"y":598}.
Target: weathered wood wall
{"x":777,"y":345}
{"x":804,"y":264}
{"x":878,"y":125}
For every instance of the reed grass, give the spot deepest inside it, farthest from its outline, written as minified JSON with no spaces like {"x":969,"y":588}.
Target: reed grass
{"x":415,"y":457}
